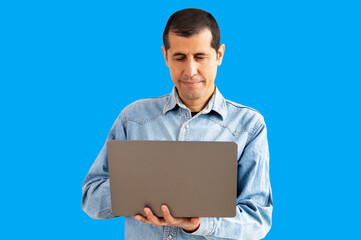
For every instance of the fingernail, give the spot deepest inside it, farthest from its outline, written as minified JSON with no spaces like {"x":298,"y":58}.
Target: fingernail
{"x":164,"y":208}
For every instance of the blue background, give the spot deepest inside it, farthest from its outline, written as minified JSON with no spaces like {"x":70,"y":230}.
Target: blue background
{"x":67,"y":68}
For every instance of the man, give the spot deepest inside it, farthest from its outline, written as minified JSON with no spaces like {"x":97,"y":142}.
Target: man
{"x":194,"y":111}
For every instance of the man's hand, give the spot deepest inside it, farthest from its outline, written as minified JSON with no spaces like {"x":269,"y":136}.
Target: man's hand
{"x":188,"y":224}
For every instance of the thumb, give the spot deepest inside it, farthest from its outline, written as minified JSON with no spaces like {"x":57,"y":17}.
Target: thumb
{"x":195,"y":221}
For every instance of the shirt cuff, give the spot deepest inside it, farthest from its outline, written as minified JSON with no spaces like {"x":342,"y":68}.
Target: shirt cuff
{"x":206,"y":227}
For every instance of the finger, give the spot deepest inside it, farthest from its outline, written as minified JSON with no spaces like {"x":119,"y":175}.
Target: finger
{"x":142,"y":219}
{"x":167,"y":216}
{"x":153,"y":219}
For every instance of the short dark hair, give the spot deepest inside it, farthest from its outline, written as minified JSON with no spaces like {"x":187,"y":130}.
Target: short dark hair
{"x":191,"y":21}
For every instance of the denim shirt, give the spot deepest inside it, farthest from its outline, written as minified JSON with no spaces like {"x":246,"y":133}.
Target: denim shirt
{"x":167,"y":118}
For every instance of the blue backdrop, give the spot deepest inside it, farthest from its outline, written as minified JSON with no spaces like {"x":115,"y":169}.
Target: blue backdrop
{"x":67,"y":68}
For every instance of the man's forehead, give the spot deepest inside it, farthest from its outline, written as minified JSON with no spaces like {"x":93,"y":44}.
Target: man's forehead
{"x":196,"y":43}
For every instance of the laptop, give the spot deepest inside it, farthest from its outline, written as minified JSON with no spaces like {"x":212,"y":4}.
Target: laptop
{"x":194,"y":179}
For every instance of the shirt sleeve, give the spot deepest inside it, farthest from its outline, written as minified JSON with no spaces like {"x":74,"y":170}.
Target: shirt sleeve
{"x":96,"y":200}
{"x":254,"y":196}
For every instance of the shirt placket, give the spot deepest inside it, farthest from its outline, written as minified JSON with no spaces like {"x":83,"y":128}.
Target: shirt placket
{"x":185,"y":130}
{"x":170,"y":233}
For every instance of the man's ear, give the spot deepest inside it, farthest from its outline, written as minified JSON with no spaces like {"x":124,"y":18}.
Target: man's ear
{"x":220,"y":54}
{"x":165,"y":55}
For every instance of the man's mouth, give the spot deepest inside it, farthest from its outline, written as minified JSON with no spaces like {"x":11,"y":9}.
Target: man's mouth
{"x":190,"y":83}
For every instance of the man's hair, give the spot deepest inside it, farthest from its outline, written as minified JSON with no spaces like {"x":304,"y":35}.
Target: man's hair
{"x":190,"y":21}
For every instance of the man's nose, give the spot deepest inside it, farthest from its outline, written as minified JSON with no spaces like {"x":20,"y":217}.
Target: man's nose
{"x":190,"y":68}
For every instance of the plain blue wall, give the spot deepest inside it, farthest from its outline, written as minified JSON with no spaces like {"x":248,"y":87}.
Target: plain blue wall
{"x":67,"y":68}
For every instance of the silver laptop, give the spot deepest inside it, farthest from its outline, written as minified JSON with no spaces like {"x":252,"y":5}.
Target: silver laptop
{"x":194,"y":179}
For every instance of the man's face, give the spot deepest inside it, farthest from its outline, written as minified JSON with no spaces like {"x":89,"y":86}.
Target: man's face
{"x":193,"y":65}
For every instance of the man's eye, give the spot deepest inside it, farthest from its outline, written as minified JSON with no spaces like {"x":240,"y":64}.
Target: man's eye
{"x":179,"y":59}
{"x":200,"y":58}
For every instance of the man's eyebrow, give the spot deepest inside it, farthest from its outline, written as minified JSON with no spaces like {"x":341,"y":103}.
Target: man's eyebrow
{"x":182,"y":54}
{"x":201,"y":54}
{"x":178,"y":54}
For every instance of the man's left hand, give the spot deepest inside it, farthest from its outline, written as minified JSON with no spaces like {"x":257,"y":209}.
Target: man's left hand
{"x":188,"y":224}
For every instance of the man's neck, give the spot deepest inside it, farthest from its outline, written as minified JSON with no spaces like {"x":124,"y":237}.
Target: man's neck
{"x":195,"y":106}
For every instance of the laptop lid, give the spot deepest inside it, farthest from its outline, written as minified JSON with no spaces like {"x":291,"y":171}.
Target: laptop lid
{"x":194,"y":179}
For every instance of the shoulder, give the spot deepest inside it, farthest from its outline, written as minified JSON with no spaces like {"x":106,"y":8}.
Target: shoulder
{"x":243,"y":118}
{"x":144,"y":109}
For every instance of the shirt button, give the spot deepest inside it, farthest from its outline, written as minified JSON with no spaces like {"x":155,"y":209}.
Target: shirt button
{"x":187,"y":126}
{"x":170,"y":237}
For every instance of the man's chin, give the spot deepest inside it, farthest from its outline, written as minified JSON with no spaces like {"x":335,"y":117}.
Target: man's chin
{"x":192,"y":95}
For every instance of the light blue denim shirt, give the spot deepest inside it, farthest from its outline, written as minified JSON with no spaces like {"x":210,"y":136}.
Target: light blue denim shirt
{"x":167,"y":118}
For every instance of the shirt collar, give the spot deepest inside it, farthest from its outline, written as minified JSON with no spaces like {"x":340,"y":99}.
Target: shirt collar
{"x":217,"y":103}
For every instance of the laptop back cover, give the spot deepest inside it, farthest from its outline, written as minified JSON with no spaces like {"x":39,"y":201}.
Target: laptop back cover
{"x":194,"y":179}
